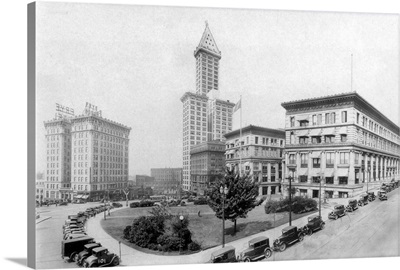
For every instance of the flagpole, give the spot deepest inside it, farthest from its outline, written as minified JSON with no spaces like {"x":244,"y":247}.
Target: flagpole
{"x":240,"y":140}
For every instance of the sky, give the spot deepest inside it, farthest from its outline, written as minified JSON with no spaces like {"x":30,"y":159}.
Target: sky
{"x":136,"y":62}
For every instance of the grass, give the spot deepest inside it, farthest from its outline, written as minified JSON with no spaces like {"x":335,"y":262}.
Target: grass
{"x":205,"y":227}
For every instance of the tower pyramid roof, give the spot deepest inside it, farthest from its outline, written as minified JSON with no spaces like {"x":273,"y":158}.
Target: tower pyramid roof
{"x":207,"y":43}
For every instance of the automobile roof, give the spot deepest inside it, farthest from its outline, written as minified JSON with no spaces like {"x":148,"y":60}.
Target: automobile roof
{"x":222,"y":251}
{"x":78,"y":239}
{"x":288,"y":228}
{"x":258,"y":239}
{"x":339,"y":206}
{"x":352,"y":200}
{"x":98,"y":249}
{"x":92,"y":245}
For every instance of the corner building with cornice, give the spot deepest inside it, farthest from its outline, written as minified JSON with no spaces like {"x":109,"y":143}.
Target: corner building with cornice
{"x":205,"y":116}
{"x":341,"y":139}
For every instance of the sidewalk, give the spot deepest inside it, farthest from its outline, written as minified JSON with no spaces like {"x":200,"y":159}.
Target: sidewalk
{"x":132,"y":256}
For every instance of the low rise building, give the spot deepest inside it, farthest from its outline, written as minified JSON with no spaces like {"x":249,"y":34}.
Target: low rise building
{"x":342,"y":140}
{"x":207,"y":161}
{"x":257,"y":151}
{"x":167,"y":181}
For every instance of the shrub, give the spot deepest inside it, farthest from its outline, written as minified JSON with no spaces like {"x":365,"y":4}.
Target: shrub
{"x":299,"y":205}
{"x":127,"y":231}
{"x":146,"y":230}
{"x":170,"y":242}
{"x":194,"y":246}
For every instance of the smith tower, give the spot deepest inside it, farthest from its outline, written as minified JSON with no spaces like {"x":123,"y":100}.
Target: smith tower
{"x":205,"y":116}
{"x":207,"y":57}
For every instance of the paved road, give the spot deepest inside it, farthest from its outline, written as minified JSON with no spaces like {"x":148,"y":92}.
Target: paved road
{"x":49,"y":234}
{"x":370,"y":231}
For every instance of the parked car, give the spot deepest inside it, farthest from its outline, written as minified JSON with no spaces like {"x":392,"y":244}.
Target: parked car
{"x":73,"y":235}
{"x":258,"y":248}
{"x":63,"y":203}
{"x":352,"y":206}
{"x":290,"y":234}
{"x":134,"y":204}
{"x":146,"y":203}
{"x":338,"y":211}
{"x":223,"y":255}
{"x":73,"y":246}
{"x":101,"y":257}
{"x":86,"y":252}
{"x":314,"y":223}
{"x":382,"y":195}
{"x":371,"y":196}
{"x":117,"y":204}
{"x":200,"y":201}
{"x":363,"y":200}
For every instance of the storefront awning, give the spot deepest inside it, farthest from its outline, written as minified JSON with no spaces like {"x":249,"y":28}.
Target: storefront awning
{"x":316,"y":154}
{"x":315,"y":132}
{"x":343,"y":130}
{"x":78,"y":197}
{"x":302,"y":133}
{"x":328,"y":131}
{"x":302,"y":118}
{"x":329,"y":172}
{"x":303,"y":171}
{"x":230,"y":152}
{"x":342,"y":172}
{"x":85,"y":197}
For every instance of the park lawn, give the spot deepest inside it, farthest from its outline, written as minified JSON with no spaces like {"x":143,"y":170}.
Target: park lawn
{"x":206,"y":228}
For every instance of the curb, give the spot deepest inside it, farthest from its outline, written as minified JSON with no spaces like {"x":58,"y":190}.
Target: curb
{"x":42,"y":219}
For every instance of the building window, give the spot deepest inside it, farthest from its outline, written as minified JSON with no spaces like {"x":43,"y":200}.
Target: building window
{"x":291,"y":138}
{"x":303,"y":140}
{"x":292,"y":159}
{"x":304,"y":123}
{"x":316,"y":139}
{"x":356,"y":158}
{"x":330,"y":160}
{"x":315,"y":179}
{"x":264,"y":190}
{"x":303,"y":178}
{"x":343,"y":137}
{"x":314,"y":119}
{"x":329,"y":138}
{"x":256,"y":140}
{"x":343,"y":180}
{"x":329,"y":180}
{"x":344,"y":116}
{"x":333,"y":118}
{"x":319,"y":119}
{"x":358,"y":118}
{"x":292,"y":121}
{"x":316,"y":162}
{"x":304,"y":160}
{"x":344,"y":158}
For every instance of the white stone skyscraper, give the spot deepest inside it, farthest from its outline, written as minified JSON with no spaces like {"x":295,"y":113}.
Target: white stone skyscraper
{"x":205,"y":116}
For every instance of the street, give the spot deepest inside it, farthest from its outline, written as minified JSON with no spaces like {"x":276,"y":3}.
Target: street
{"x":370,"y":231}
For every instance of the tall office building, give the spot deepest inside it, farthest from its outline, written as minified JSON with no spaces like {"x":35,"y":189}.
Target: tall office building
{"x":87,"y":156}
{"x":205,"y":116}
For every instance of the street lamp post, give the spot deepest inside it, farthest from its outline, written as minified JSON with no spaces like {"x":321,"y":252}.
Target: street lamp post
{"x":224,"y":192}
{"x":180,"y":235}
{"x":290,"y":199}
{"x":105,"y":209}
{"x":320,"y":192}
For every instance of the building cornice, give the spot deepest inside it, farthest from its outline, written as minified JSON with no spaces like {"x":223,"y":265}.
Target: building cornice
{"x":256,"y":130}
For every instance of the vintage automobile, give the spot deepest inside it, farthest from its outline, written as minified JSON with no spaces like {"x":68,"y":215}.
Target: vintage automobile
{"x":290,"y":234}
{"x":223,"y":255}
{"x":314,"y":223}
{"x":73,"y":246}
{"x":134,"y":204}
{"x":101,"y":257}
{"x":363,"y":200}
{"x":371,"y":196}
{"x":63,"y":203}
{"x":338,"y":211}
{"x":352,"y":206}
{"x":74,"y":235}
{"x":258,"y":248}
{"x":117,"y":204}
{"x":382,"y":195}
{"x":79,"y":258}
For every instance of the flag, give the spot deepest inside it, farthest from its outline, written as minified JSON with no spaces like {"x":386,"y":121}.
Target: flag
{"x":238,"y":105}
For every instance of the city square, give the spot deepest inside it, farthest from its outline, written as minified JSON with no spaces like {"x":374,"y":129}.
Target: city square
{"x":199,"y":171}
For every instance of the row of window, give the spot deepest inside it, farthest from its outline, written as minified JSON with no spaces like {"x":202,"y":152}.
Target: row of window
{"x":317,"y":119}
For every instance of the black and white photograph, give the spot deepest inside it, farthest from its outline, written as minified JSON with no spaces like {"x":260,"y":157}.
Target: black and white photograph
{"x":170,"y":135}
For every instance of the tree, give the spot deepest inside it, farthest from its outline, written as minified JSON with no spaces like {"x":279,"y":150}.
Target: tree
{"x":241,"y":197}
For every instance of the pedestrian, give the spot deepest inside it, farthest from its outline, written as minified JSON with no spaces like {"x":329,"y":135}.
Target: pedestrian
{"x":94,"y":214}
{"x":108,"y":211}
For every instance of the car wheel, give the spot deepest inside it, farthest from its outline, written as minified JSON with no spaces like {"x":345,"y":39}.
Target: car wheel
{"x":247,"y":260}
{"x":322,"y":226}
{"x":310,"y":232}
{"x":268,"y":253}
{"x":282,"y":247}
{"x":72,"y":257}
{"x":115,"y":261}
{"x":301,"y":237}
{"x":76,"y":257}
